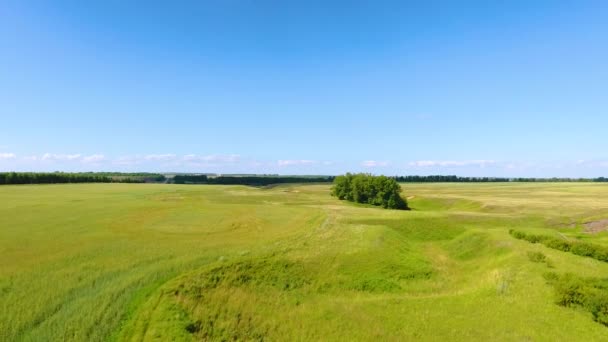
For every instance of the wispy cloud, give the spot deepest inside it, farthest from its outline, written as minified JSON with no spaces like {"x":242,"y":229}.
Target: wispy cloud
{"x":452,"y":163}
{"x":93,"y":159}
{"x":170,"y":159}
{"x":213,"y":158}
{"x":592,"y":163}
{"x":160,"y":157}
{"x":127,"y":160}
{"x":298,"y":162}
{"x":8,"y":156}
{"x":161,"y":161}
{"x":375,"y":163}
{"x":60,"y":157}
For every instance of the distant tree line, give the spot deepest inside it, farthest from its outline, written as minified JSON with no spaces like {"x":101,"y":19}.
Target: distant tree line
{"x":249,"y":180}
{"x":456,"y":179}
{"x":80,"y":177}
{"x":557,"y":180}
{"x":447,"y":179}
{"x":364,"y":188}
{"x":254,"y":180}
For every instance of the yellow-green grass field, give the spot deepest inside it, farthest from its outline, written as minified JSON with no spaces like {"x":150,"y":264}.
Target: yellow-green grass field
{"x":133,"y":262}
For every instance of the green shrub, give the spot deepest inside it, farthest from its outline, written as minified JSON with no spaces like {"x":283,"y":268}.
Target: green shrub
{"x":601,"y":254}
{"x":558,"y":244}
{"x":551,"y":277}
{"x":569,"y":290}
{"x":517,"y":234}
{"x":579,"y":248}
{"x":583,"y":249}
{"x":597,"y":304}
{"x":537,"y":257}
{"x":589,"y":293}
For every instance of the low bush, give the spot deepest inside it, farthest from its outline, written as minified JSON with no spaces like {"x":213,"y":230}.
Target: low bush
{"x":558,"y":244}
{"x":588,"y":293}
{"x":584,"y":249}
{"x":575,"y":247}
{"x":537,"y":257}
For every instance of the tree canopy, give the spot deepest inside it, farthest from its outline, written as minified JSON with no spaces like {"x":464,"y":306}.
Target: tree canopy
{"x":79,"y":177}
{"x":249,"y":180}
{"x":365,"y":188}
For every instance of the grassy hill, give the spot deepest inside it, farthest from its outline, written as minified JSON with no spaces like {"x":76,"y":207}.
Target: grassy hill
{"x":175,"y":262}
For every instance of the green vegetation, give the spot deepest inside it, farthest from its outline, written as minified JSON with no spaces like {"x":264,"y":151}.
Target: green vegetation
{"x":253,"y":180}
{"x":575,"y":247}
{"x":167,"y":262}
{"x":456,"y":179}
{"x":449,"y":179}
{"x":365,"y":188}
{"x":80,"y":177}
{"x":56,"y":177}
{"x":537,"y":256}
{"x":249,"y":180}
{"x":589,"y":293}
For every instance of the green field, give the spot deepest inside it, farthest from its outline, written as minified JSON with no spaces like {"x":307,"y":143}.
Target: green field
{"x":96,"y":262}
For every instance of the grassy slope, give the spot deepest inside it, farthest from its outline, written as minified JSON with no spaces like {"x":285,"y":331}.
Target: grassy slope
{"x":132,"y":261}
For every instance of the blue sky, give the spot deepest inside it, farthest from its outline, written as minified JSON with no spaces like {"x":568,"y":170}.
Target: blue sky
{"x":473,"y":88}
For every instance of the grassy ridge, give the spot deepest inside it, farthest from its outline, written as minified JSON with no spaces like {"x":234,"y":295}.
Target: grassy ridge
{"x":170,"y":262}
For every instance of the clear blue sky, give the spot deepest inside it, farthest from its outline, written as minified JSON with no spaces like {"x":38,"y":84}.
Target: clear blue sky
{"x":496,"y":88}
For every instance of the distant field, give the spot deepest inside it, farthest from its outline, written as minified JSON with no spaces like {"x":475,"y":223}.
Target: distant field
{"x":97,"y":262}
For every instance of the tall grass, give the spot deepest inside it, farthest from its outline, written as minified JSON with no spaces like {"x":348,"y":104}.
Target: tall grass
{"x":100,"y":262}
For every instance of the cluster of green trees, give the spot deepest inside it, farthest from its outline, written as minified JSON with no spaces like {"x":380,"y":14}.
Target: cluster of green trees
{"x":365,"y":188}
{"x":190,"y":179}
{"x":55,"y":177}
{"x":248,"y":180}
{"x":136,"y":177}
{"x":585,"y":249}
{"x":80,"y":177}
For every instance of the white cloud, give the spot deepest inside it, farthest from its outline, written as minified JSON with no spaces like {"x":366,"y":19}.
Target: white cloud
{"x":94,"y":158}
{"x":7,"y":156}
{"x":592,"y":163}
{"x":174,"y":160}
{"x":452,"y":163}
{"x":213,"y":158}
{"x":296,"y":162}
{"x":375,"y":163}
{"x":191,"y":157}
{"x":127,"y":160}
{"x":60,"y":157}
{"x":160,"y":157}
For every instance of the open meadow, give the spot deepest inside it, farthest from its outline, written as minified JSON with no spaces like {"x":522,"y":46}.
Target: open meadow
{"x":143,"y":262}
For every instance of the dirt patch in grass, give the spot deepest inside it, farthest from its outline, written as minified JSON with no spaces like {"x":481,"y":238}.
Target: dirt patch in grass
{"x":595,"y":227}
